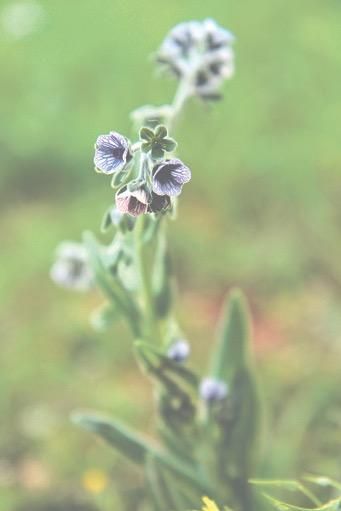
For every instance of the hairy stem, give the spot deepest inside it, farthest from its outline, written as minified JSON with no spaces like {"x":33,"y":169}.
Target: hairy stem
{"x":144,"y":266}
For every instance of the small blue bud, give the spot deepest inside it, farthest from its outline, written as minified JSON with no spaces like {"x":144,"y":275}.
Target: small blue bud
{"x":179,"y":351}
{"x":212,"y":389}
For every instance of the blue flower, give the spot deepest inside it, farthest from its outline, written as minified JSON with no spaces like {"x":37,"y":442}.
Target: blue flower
{"x":169,"y":177}
{"x":179,"y":351}
{"x":212,"y":389}
{"x":112,"y":153}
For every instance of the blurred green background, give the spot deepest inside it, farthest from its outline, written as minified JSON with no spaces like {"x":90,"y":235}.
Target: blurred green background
{"x":263,"y":211}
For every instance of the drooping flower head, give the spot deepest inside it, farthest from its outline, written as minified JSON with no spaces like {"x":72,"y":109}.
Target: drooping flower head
{"x":112,"y":153}
{"x":169,"y":176}
{"x":212,"y":389}
{"x":179,"y":350}
{"x":134,"y":200}
{"x":71,"y":268}
{"x":201,"y":50}
{"x":159,"y":203}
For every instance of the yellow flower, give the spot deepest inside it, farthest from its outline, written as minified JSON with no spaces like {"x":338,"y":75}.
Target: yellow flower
{"x":94,"y":481}
{"x":209,"y":505}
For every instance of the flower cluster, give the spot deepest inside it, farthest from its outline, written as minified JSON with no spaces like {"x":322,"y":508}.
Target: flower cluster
{"x":157,"y":178}
{"x":201,"y":53}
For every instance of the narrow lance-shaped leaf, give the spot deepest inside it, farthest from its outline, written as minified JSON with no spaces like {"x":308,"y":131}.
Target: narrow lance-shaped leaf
{"x":232,"y":363}
{"x":233,"y":350}
{"x":127,"y":442}
{"x":136,"y":449}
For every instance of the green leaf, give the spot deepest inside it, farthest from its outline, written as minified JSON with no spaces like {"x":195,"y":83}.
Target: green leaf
{"x":135,"y":448}
{"x":146,"y":134}
{"x":112,"y":288}
{"x":161,"y":131}
{"x":119,"y":178}
{"x":146,"y":147}
{"x":169,"y":144}
{"x":164,"y":494}
{"x":233,"y":350}
{"x":106,"y":221}
{"x":130,"y":444}
{"x":241,"y":444}
{"x":157,"y":152}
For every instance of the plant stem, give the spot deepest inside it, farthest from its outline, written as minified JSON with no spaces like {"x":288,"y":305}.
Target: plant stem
{"x":143,"y":266}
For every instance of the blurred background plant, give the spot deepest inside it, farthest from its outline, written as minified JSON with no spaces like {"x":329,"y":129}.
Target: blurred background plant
{"x":271,"y":210}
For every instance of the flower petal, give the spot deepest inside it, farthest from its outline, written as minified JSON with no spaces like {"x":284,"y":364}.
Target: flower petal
{"x":111,"y":152}
{"x":169,"y":177}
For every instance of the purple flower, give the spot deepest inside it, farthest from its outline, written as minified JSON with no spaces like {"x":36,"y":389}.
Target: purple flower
{"x":169,"y":177}
{"x":134,"y":202}
{"x":212,"y":389}
{"x":159,"y":203}
{"x":112,"y":153}
{"x":179,"y":351}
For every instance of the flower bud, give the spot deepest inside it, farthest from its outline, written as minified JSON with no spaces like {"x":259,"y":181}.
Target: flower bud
{"x":201,"y":51}
{"x":179,"y":351}
{"x":212,"y":389}
{"x":71,"y":269}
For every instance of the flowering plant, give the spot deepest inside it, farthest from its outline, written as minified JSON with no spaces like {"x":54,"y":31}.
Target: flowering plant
{"x":209,"y":427}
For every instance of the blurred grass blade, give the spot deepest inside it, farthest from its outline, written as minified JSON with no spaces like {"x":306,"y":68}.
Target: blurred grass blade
{"x":323,"y":481}
{"x":287,"y":484}
{"x":333,"y":505}
{"x":233,"y":350}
